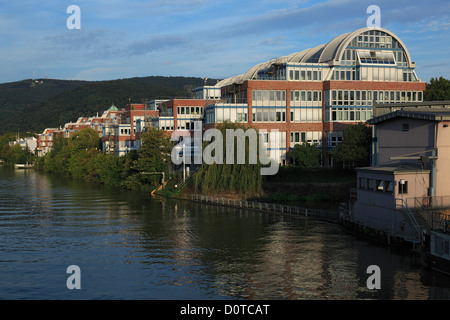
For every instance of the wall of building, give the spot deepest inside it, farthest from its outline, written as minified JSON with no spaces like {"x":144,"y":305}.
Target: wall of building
{"x":379,"y":200}
{"x":403,"y":136}
{"x":442,"y":165}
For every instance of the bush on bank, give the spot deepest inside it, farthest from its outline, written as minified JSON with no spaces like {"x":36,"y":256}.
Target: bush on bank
{"x":80,"y":157}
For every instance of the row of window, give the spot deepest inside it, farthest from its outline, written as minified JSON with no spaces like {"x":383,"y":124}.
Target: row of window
{"x":376,"y":57}
{"x":306,"y":98}
{"x":365,"y":97}
{"x":344,"y":97}
{"x":189,"y":111}
{"x":312,"y":137}
{"x":48,"y":144}
{"x":126,"y":131}
{"x":373,"y":74}
{"x":49,"y":137}
{"x":274,"y":139}
{"x":350,"y":74}
{"x":305,"y":75}
{"x":352,"y":56}
{"x":269,"y":114}
{"x":166,"y":124}
{"x":186,"y":125}
{"x":213,"y":115}
{"x":238,"y":97}
{"x":374,"y":39}
{"x":274,"y":72}
{"x":382,"y":185}
{"x":306,"y":114}
{"x":269,"y":98}
{"x":348,"y":114}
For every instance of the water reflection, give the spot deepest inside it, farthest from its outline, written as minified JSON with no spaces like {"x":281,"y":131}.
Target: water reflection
{"x":131,"y":246}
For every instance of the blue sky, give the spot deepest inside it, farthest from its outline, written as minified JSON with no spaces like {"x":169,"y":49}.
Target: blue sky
{"x":214,"y":39}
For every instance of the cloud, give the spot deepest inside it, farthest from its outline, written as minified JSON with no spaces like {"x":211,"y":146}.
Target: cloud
{"x":271,"y":41}
{"x":157,"y":43}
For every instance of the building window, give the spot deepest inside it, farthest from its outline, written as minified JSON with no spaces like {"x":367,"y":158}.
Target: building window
{"x":363,"y":183}
{"x":389,"y":186}
{"x":380,"y":185}
{"x":403,"y":187}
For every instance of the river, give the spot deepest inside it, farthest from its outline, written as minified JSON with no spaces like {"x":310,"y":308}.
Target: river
{"x":132,"y":246}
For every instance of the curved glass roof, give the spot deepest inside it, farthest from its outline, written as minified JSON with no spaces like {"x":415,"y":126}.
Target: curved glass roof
{"x":330,"y":53}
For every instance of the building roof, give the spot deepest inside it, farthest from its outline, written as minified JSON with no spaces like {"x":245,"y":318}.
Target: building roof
{"x":383,"y":108}
{"x":423,"y":114}
{"x":400,"y":169}
{"x":330,"y":53}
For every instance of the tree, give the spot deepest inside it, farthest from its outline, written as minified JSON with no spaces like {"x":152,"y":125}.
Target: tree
{"x":305,"y":155}
{"x":437,"y":90}
{"x":84,"y":139}
{"x":152,"y":158}
{"x":354,"y":150}
{"x":243,"y":178}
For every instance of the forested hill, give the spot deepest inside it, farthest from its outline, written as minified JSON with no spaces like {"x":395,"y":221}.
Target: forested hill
{"x":33,"y":105}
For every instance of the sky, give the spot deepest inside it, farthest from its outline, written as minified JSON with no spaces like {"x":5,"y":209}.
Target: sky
{"x":198,"y":38}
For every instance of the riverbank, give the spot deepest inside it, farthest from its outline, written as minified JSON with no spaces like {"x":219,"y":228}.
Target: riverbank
{"x":317,"y":188}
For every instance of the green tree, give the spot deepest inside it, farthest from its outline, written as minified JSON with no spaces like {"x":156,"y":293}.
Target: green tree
{"x":305,"y":155}
{"x":6,"y":154}
{"x":245,"y":179}
{"x":144,"y":167}
{"x":437,"y":90}
{"x":106,"y":169}
{"x":354,"y":150}
{"x":12,"y":154}
{"x":84,"y":139}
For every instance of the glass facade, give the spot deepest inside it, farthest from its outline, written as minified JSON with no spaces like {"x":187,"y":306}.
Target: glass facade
{"x":300,"y":93}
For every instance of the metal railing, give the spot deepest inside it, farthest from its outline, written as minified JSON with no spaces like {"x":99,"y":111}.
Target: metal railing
{"x":429,"y":202}
{"x":183,"y":182}
{"x":268,"y":207}
{"x":440,"y":221}
{"x":417,"y":229}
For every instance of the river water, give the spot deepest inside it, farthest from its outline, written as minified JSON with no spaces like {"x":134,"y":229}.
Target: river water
{"x":133,"y":246}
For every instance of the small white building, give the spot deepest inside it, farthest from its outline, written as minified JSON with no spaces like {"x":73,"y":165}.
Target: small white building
{"x":30,"y":142}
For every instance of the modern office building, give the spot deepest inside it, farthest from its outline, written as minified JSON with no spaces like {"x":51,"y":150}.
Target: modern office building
{"x":312,"y":95}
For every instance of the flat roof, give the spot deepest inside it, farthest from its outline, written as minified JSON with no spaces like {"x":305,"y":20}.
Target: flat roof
{"x":424,"y":114}
{"x":400,"y":169}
